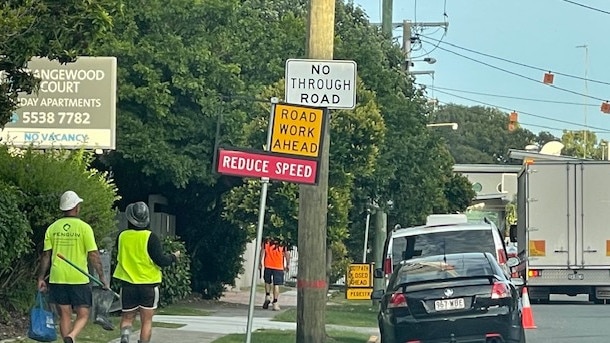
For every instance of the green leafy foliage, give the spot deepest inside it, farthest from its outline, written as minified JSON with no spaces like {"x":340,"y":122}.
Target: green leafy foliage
{"x":32,"y":182}
{"x":15,"y":242}
{"x":186,"y":65}
{"x":583,"y":144}
{"x":171,"y":81}
{"x":14,"y":228}
{"x":483,"y":136}
{"x":176,"y":283}
{"x":58,"y":30}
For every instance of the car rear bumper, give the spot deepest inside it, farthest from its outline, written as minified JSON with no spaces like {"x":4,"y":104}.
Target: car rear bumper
{"x":467,"y":329}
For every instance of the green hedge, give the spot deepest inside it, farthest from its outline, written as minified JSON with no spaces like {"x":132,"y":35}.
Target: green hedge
{"x":31,"y":182}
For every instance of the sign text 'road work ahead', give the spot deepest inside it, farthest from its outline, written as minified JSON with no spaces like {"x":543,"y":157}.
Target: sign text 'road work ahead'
{"x":321,"y":83}
{"x":297,"y":130}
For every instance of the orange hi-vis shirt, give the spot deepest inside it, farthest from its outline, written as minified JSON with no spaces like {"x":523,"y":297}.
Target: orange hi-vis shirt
{"x":274,"y":256}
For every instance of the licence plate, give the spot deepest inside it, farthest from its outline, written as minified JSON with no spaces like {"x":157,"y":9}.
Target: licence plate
{"x":449,"y":304}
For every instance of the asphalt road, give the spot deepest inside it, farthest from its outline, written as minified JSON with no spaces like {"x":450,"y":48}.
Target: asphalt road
{"x":570,"y":319}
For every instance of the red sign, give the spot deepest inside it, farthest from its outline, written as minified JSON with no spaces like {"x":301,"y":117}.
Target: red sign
{"x":274,"y":167}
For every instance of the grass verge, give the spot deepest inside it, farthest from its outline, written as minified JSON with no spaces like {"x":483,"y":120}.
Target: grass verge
{"x":340,"y":311}
{"x":277,"y":336}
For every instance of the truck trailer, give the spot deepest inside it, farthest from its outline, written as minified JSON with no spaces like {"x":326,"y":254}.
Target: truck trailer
{"x":563,"y":229}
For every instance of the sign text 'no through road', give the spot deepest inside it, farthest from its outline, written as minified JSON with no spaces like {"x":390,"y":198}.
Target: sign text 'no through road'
{"x":321,"y":83}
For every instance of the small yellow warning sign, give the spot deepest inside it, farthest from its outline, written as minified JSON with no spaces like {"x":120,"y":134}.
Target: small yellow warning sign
{"x":359,"y":275}
{"x":358,"y":293}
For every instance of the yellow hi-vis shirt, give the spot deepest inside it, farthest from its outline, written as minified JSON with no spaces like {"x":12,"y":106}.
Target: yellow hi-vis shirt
{"x":73,"y":238}
{"x":134,"y":263}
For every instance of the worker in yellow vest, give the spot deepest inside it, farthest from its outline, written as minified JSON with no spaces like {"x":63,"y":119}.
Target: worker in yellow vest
{"x":139,"y":261}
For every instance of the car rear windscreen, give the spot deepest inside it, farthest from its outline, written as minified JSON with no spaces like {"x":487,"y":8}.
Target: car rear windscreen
{"x":439,"y":243}
{"x":440,"y":270}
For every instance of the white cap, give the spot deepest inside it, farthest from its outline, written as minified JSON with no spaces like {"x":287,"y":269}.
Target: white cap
{"x":69,"y":200}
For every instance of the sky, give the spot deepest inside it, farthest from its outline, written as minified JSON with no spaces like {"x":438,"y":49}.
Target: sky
{"x":542,"y":34}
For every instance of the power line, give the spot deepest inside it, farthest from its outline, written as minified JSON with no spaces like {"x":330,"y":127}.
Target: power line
{"x":509,"y":96}
{"x":534,"y":125}
{"x":602,"y":130}
{"x":519,"y":75}
{"x":586,"y":6}
{"x":516,"y":63}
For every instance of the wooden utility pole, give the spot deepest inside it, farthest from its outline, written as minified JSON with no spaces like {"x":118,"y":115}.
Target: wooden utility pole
{"x":386,"y":17}
{"x":312,"y":282}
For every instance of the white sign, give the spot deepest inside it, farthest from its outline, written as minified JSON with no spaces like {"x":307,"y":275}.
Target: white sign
{"x":75,"y":106}
{"x":321,"y":83}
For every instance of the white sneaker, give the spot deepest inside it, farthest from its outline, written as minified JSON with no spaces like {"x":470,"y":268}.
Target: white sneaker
{"x":276,"y":306}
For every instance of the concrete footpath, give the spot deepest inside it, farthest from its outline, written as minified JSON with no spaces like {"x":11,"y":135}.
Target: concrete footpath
{"x":230,"y":318}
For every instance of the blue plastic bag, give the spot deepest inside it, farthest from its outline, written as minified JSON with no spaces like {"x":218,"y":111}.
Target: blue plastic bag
{"x":42,"y":325}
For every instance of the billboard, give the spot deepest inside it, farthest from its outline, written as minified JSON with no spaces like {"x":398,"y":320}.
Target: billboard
{"x":75,"y":106}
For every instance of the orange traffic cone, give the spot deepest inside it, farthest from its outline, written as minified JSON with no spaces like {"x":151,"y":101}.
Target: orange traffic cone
{"x":527,"y":317}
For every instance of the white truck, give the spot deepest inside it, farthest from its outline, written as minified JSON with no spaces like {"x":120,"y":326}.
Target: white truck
{"x":563,"y":229}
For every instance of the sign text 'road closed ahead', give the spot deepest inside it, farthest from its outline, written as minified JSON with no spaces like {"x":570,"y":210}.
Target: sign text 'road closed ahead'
{"x":259,"y":165}
{"x":321,"y":83}
{"x":297,"y":130}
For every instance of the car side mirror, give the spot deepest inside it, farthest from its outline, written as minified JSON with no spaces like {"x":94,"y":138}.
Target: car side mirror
{"x":377,"y":295}
{"x":378,"y":273}
{"x":517,"y":281}
{"x":513,"y":262}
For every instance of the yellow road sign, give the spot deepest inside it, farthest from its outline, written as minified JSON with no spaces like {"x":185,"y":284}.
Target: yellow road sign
{"x":358,"y":293}
{"x":297,"y":130}
{"x":359,"y":275}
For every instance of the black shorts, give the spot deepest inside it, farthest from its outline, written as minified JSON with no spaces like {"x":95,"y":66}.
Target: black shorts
{"x":134,"y":297}
{"x":75,"y":295}
{"x":274,"y":276}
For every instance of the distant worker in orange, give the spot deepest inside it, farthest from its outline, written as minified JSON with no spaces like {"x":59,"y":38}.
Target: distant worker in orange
{"x":275,"y":260}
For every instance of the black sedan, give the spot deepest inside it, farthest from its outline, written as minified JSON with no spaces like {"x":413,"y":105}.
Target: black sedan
{"x":450,"y":299}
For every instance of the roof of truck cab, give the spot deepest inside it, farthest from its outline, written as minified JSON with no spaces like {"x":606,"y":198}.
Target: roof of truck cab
{"x":423,"y":229}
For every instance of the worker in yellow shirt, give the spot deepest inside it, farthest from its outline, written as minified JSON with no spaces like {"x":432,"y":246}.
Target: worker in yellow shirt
{"x":69,"y":288}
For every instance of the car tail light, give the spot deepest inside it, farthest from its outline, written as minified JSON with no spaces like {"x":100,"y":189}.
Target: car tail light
{"x":397,"y":300}
{"x":501,"y":256}
{"x":533,"y":273}
{"x":387,"y":266}
{"x":500,"y":290}
{"x":415,"y":341}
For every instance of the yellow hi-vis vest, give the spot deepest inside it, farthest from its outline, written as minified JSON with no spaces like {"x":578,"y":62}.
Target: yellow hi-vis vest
{"x":134,"y":263}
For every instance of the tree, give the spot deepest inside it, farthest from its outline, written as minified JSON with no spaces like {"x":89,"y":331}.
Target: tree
{"x":59,"y":30}
{"x":185,"y":65}
{"x":483,"y":136}
{"x":577,"y":145}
